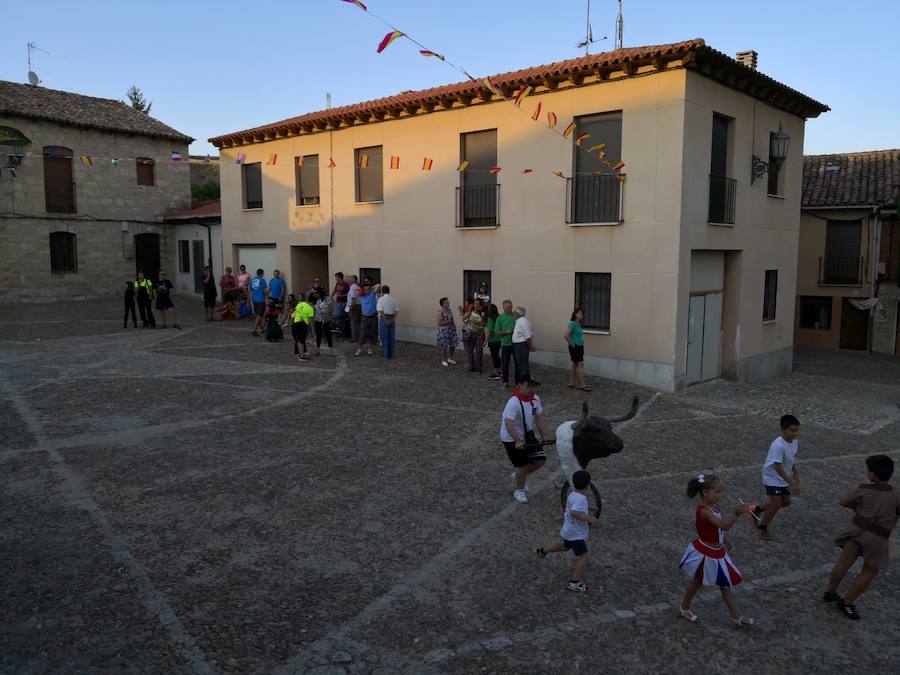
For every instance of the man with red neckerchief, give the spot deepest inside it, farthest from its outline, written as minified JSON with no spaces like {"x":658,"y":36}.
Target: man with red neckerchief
{"x":522,"y":413}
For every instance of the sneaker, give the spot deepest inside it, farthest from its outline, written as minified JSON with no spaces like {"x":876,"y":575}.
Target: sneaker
{"x":828,"y":596}
{"x":577,"y":586}
{"x":176,"y":326}
{"x":451,"y":362}
{"x":444,"y":363}
{"x":358,"y":352}
{"x":254,"y":333}
{"x":763,"y":533}
{"x":504,"y":385}
{"x":494,"y":377}
{"x":369,"y":352}
{"x":540,"y":552}
{"x":520,"y":496}
{"x":847,"y":610}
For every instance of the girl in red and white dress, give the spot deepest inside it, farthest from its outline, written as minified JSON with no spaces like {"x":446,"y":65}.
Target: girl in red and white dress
{"x":706,"y":560}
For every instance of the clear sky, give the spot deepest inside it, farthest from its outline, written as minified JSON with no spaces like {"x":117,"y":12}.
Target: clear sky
{"x":212,"y":67}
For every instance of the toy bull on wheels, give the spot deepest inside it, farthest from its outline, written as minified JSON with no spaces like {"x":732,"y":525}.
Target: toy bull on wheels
{"x":589,"y":437}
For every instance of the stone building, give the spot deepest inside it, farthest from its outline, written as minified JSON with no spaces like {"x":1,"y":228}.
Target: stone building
{"x":686,"y":267}
{"x":849,"y":261}
{"x":84,"y":186}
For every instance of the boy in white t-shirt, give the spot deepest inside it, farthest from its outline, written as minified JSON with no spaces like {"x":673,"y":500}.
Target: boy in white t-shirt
{"x":779,"y":476}
{"x":574,"y":530}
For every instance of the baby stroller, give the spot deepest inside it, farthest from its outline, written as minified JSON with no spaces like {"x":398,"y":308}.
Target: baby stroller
{"x":273,"y":330}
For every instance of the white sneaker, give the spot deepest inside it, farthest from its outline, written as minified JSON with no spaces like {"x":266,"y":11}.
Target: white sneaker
{"x":370,"y":352}
{"x":358,"y":352}
{"x":444,"y":363}
{"x":520,"y":496}
{"x":451,"y":362}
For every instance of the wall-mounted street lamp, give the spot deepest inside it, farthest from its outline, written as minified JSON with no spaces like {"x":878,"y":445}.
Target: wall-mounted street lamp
{"x":779,"y":144}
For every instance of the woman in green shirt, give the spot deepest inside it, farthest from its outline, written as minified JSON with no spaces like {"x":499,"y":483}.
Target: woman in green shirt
{"x":574,"y":337}
{"x":493,"y":340}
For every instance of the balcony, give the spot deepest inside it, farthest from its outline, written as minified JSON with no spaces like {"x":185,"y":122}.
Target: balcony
{"x":722,"y":193}
{"x":841,"y":270}
{"x":478,"y":205}
{"x":594,"y":200}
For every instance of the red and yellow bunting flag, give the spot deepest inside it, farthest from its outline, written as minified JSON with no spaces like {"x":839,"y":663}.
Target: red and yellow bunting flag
{"x":331,"y":163}
{"x":273,"y":158}
{"x":522,"y":93}
{"x":463,"y":165}
{"x":490,"y":87}
{"x":537,"y":112}
{"x":560,"y":174}
{"x":395,"y":162}
{"x":551,"y":119}
{"x":620,"y":177}
{"x":388,"y":39}
{"x":427,"y":164}
{"x":618,"y":166}
{"x":494,"y":170}
{"x":581,"y":137}
{"x":606,"y":161}
{"x":300,"y":160}
{"x":357,"y":3}
{"x":601,"y":155}
{"x":363,"y":161}
{"x":599,"y":146}
{"x":527,"y":170}
{"x":428,"y":52}
{"x":86,"y":159}
{"x":569,"y":130}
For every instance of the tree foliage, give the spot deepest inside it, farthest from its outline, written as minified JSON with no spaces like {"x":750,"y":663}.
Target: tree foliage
{"x":137,"y":101}
{"x":206,"y":191}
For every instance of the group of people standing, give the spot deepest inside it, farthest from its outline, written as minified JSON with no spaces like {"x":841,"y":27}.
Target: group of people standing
{"x":145,"y":292}
{"x":508,"y":335}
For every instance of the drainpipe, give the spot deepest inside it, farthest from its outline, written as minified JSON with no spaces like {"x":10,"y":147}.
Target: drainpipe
{"x":874,"y":255}
{"x":209,"y":247}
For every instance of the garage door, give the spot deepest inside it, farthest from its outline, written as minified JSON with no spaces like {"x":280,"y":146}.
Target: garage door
{"x":256,"y":257}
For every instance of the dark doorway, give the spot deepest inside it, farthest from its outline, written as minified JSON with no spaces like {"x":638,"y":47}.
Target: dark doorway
{"x":854,"y":327}
{"x":308,"y":263}
{"x":59,"y":184}
{"x":198,"y":266}
{"x":146,"y":255}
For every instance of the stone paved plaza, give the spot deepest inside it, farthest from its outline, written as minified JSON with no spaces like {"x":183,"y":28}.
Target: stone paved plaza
{"x":197,"y":501}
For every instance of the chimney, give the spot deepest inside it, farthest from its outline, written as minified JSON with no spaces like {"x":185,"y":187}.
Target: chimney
{"x":747,"y":58}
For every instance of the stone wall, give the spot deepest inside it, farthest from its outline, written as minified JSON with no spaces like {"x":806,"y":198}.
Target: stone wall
{"x":111,"y":208}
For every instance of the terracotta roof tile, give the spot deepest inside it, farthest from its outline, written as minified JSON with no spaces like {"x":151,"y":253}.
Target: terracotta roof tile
{"x":207,"y":210}
{"x":24,"y":100}
{"x":693,"y":53}
{"x":851,"y":179}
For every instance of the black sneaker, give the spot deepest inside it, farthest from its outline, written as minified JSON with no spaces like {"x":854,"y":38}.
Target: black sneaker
{"x":828,"y":596}
{"x":540,"y":552}
{"x":847,"y":610}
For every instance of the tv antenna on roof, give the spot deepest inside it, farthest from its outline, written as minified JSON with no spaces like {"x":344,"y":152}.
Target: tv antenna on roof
{"x":588,"y":34}
{"x":33,"y":79}
{"x":620,"y":27}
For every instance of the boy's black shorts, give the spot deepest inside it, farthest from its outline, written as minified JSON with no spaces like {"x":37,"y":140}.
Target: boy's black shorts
{"x":577,"y":546}
{"x":524,"y":456}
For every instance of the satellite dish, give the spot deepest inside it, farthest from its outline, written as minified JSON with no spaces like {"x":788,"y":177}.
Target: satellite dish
{"x":33,"y":78}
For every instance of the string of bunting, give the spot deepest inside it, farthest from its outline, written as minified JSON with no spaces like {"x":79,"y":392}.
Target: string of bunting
{"x":517,"y":99}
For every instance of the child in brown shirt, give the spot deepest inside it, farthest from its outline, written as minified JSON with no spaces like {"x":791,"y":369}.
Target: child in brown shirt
{"x":877,"y":507}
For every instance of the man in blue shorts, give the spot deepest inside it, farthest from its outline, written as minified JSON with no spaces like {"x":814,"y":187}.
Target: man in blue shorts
{"x":258,"y":290}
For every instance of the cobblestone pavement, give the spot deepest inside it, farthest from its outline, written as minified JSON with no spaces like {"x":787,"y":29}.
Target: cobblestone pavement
{"x":197,"y":501}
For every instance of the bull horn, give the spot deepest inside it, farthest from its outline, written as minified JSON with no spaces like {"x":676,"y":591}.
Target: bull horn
{"x":581,"y":420}
{"x":635,"y":402}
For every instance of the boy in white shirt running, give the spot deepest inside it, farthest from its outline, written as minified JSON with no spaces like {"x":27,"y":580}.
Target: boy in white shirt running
{"x":574,"y":531}
{"x":779,"y":475}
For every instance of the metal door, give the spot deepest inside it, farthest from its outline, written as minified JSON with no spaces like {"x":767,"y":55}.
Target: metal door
{"x":695,"y":339}
{"x":704,"y":337}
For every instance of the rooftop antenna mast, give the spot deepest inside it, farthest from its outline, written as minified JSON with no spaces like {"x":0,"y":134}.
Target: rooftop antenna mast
{"x":327,"y":100}
{"x":620,"y":27}
{"x":588,"y":34}
{"x":33,"y":79}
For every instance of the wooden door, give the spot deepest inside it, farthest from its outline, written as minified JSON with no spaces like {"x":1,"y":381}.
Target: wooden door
{"x":59,"y":185}
{"x":854,"y":327}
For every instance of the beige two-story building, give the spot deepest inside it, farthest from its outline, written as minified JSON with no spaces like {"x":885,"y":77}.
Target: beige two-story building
{"x":84,"y":185}
{"x":849,"y":258}
{"x":685,"y":267}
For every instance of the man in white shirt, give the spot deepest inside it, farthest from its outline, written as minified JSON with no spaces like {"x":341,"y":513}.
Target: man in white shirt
{"x":523,"y":412}
{"x":523,"y":345}
{"x":388,"y":309}
{"x":353,"y":308}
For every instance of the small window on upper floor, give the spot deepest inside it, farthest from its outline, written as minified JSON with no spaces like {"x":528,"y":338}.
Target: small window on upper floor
{"x":63,"y":253}
{"x":307,"y":180}
{"x":145,"y":168}
{"x":369,"y":183}
{"x":770,"y":295}
{"x":251,"y":185}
